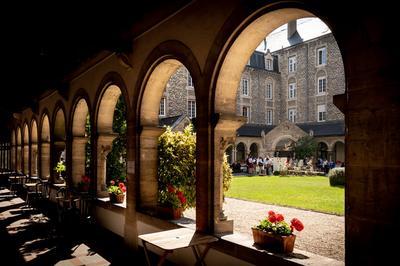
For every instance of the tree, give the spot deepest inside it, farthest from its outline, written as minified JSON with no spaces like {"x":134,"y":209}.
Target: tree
{"x":116,"y":159}
{"x":177,"y":168}
{"x":305,"y":147}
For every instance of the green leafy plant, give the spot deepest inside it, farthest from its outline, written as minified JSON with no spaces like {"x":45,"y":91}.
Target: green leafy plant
{"x":177,"y":168}
{"x":226,"y":174}
{"x":116,"y":188}
{"x":337,"y":176}
{"x":305,"y":147}
{"x":60,"y":168}
{"x":275,"y":224}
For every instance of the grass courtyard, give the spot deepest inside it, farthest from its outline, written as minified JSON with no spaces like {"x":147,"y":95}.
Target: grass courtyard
{"x":304,"y":192}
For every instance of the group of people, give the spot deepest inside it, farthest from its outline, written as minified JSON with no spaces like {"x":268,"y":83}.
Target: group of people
{"x":255,"y":165}
{"x":324,"y":165}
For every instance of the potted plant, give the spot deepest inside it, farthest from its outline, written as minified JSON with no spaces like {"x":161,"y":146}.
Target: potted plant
{"x":84,"y":184}
{"x":60,"y":169}
{"x":275,"y":234}
{"x":172,"y":203}
{"x":116,"y":192}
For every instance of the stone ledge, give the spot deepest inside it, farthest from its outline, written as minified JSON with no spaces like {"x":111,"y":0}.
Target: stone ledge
{"x":115,"y":207}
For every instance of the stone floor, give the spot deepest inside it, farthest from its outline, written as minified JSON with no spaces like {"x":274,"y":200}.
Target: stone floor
{"x":323,"y":234}
{"x":35,"y":237}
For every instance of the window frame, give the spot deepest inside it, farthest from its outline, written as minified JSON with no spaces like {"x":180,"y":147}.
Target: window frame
{"x":292,"y":66}
{"x":294,"y":114}
{"x":242,"y":86}
{"x":324,"y":55}
{"x":269,"y":117}
{"x":324,"y":91}
{"x":190,"y":110}
{"x":269,"y":87}
{"x":294,"y":90}
{"x":322,"y":112}
{"x":189,"y":81}
{"x":164,"y":101}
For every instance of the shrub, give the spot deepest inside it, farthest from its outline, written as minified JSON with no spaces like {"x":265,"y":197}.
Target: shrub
{"x":177,"y":168}
{"x":226,"y":174}
{"x":337,"y":176}
{"x":276,"y":173}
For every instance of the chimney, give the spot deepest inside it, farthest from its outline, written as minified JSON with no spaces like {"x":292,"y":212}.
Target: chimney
{"x":291,"y":28}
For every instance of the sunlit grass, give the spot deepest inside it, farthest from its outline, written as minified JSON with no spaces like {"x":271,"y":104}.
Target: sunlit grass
{"x":305,"y":192}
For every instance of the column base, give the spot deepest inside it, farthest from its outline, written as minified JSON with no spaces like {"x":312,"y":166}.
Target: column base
{"x":223,"y":227}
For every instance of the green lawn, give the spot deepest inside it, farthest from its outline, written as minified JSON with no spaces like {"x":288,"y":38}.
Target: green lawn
{"x":304,"y":192}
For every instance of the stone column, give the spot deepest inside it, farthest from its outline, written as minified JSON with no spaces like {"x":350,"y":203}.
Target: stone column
{"x":45,"y":159}
{"x":78,"y":158}
{"x":234,"y":153}
{"x":224,"y":133}
{"x":19,"y":155}
{"x":34,"y":152}
{"x":26,"y":159}
{"x":148,"y":166}
{"x":13,"y":158}
{"x":104,"y":145}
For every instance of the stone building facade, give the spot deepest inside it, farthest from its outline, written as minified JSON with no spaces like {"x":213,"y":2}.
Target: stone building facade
{"x":295,"y":84}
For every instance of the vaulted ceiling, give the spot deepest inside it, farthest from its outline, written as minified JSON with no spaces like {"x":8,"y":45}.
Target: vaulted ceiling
{"x":42,"y":42}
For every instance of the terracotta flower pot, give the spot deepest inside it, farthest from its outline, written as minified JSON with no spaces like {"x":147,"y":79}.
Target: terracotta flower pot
{"x":169,"y":212}
{"x":277,"y":243}
{"x":117,"y":198}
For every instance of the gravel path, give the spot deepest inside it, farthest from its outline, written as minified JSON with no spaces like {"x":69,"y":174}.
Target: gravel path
{"x":323,"y":234}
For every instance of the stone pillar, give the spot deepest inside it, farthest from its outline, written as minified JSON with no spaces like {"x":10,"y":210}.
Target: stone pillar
{"x":19,"y":155}
{"x":45,"y":159}
{"x":26,"y":159}
{"x":224,"y":133}
{"x":78,"y":158}
{"x":104,"y":145}
{"x":13,"y":158}
{"x":34,"y":155}
{"x":148,"y":166}
{"x":234,"y":153}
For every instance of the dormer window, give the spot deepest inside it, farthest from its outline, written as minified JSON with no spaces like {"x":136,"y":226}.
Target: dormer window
{"x":268,"y":64}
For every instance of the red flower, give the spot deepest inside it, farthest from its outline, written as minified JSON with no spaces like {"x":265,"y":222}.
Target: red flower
{"x":271,"y":213}
{"x":279,"y":217}
{"x":171,"y":189}
{"x":182,"y":199}
{"x":112,"y":182}
{"x":272,"y":218}
{"x":297,"y":224}
{"x":122,"y":187}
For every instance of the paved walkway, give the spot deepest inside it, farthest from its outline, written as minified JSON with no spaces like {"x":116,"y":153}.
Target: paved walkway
{"x":33,"y":237}
{"x":323,"y":234}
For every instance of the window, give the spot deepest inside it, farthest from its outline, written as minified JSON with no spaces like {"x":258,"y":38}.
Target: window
{"x":246,"y":112}
{"x":321,"y":56}
{"x":292,"y":64}
{"x":321,"y":112}
{"x":322,"y":85}
{"x":192,"y":109}
{"x":269,"y":64}
{"x":292,"y":115}
{"x":189,"y":80}
{"x":269,"y":91}
{"x":292,"y":91}
{"x":269,"y":117}
{"x":245,"y":87}
{"x":162,"y":107}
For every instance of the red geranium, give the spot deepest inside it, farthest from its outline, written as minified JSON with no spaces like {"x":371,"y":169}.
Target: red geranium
{"x":297,"y":224}
{"x":171,"y":189}
{"x":122,"y":187}
{"x":279,"y":217}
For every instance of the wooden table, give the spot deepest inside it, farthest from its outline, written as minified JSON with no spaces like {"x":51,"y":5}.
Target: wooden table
{"x":170,"y":240}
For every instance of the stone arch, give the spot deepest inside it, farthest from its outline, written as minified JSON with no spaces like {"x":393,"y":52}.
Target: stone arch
{"x":322,"y":150}
{"x":25,"y":148}
{"x":159,"y":66}
{"x":237,"y":50}
{"x":241,"y":152}
{"x":111,"y":89}
{"x":254,"y":150}
{"x":79,"y":116}
{"x":34,"y":148}
{"x":59,"y":137}
{"x":338,"y":151}
{"x":229,"y":151}
{"x":45,"y":138}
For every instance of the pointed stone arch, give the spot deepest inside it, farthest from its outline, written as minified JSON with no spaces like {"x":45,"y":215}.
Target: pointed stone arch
{"x":34,"y":148}
{"x":45,"y":138}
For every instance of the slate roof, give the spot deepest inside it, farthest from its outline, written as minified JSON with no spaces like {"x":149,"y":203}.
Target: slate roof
{"x":253,"y":130}
{"x":324,"y":129}
{"x":170,"y":121}
{"x":320,"y":129}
